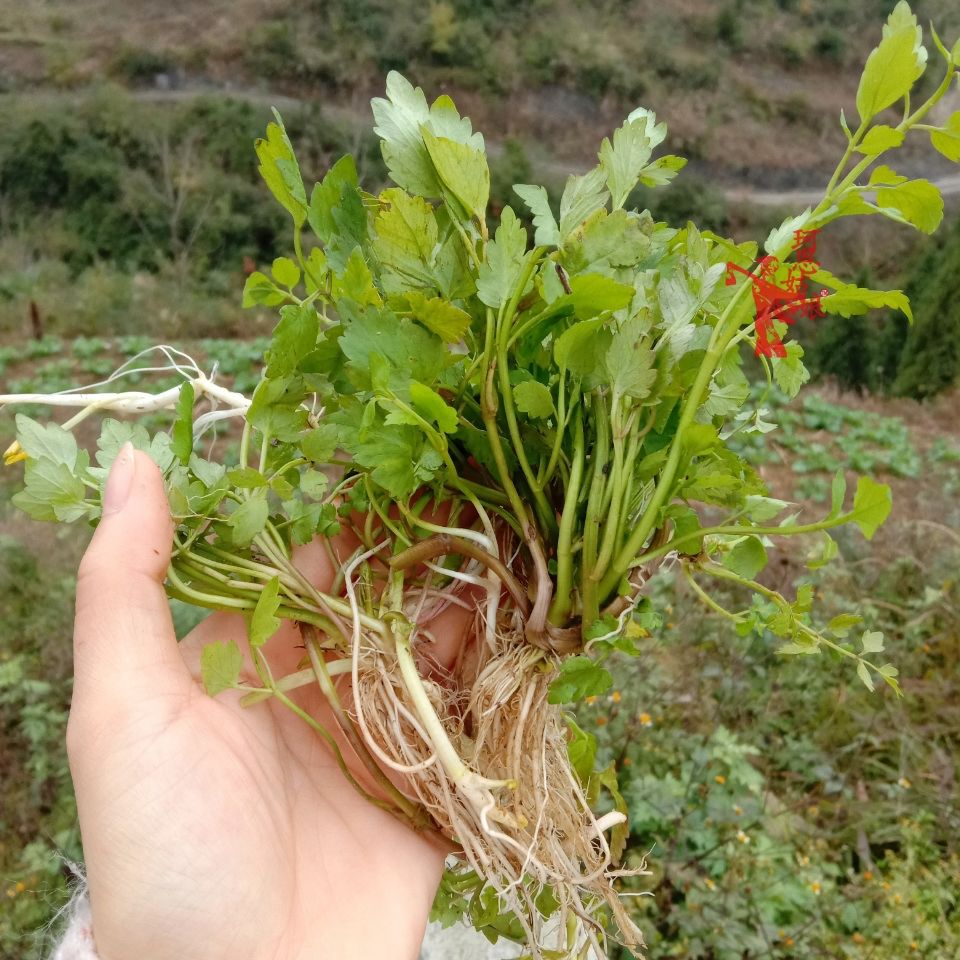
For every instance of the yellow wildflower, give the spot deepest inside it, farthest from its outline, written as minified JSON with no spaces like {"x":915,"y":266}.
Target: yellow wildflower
{"x":859,"y":938}
{"x":615,"y":696}
{"x":720,"y":778}
{"x":601,"y":721}
{"x":590,"y":701}
{"x":737,"y":809}
{"x":14,"y":454}
{"x":742,"y":837}
{"x":711,"y":885}
{"x":905,"y":783}
{"x":645,"y":720}
{"x":816,"y":888}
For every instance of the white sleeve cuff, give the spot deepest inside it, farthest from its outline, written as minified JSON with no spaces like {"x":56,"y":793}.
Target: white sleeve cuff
{"x":76,"y":940}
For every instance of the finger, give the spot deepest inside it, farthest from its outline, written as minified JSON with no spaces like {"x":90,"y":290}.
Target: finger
{"x":125,"y":649}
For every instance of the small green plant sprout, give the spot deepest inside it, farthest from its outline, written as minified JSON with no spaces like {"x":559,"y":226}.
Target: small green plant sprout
{"x":562,"y":396}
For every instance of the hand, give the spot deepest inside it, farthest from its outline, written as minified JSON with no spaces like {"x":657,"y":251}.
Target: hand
{"x":210,"y":830}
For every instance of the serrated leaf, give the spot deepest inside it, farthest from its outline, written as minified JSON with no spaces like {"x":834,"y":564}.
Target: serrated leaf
{"x":863,"y":672}
{"x":182,"y":435}
{"x":433,"y":408}
{"x":629,"y":362}
{"x":547,"y":232}
{"x":592,"y":294}
{"x":894,"y":65}
{"x":406,"y":237}
{"x":624,"y":157}
{"x":662,"y":170}
{"x":781,"y":238}
{"x":319,"y":445}
{"x":840,"y":625}
{"x":850,"y":300}
{"x":356,"y":282}
{"x":264,"y":622}
{"x":48,"y":440}
{"x":579,"y":677}
{"x":328,"y":196}
{"x":220,"y":664}
{"x":398,"y":120}
{"x":249,"y":519}
{"x":246,"y":478}
{"x":581,"y":350}
{"x":52,"y":492}
{"x":790,"y":372}
{"x":582,"y":196}
{"x":917,"y":202}
{"x":285,"y":272}
{"x":499,"y":273}
{"x":279,"y":169}
{"x":462,"y":170}
{"x":441,"y":317}
{"x":293,"y":338}
{"x":872,"y":641}
{"x":879,"y":139}
{"x":871,"y":506}
{"x":260,"y":290}
{"x":533,"y":399}
{"x":747,"y":558}
{"x":947,"y":140}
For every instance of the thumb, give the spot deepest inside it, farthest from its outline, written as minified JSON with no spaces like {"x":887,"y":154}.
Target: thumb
{"x":124,"y":646}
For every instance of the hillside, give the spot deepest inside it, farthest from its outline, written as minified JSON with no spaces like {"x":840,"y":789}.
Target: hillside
{"x":750,"y":88}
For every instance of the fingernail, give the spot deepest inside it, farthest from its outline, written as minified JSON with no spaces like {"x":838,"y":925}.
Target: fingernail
{"x":120,"y":480}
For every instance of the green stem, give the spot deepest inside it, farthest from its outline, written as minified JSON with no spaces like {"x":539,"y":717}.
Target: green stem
{"x":589,"y":594}
{"x":563,"y":597}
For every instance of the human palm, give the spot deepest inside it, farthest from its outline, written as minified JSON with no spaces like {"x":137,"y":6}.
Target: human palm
{"x":211,"y":830}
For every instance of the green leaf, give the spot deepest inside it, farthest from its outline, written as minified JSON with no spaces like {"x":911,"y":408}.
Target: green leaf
{"x":319,"y":445}
{"x":581,"y":350}
{"x":872,"y":641}
{"x":828,"y":551}
{"x":182,"y":436}
{"x":582,"y":751}
{"x":624,"y":159}
{"x":264,"y":622}
{"x":441,"y":317}
{"x":871,"y":506}
{"x":280,"y":171}
{"x":782,"y":237}
{"x":285,"y":272}
{"x":462,"y":170}
{"x":662,"y":170}
{"x":406,"y":236}
{"x":747,"y":558}
{"x":398,"y":458}
{"x":840,"y":625}
{"x":917,"y":202}
{"x":249,"y":519}
{"x":879,"y":139}
{"x":246,"y":478}
{"x":582,"y":196}
{"x":48,"y":440}
{"x":432,"y":407}
{"x":592,"y":294}
{"x":629,"y":362}
{"x":894,"y":65}
{"x":500,"y":272}
{"x":947,"y":140}
{"x":52,"y":492}
{"x":260,"y":290}
{"x":356,"y":282}
{"x":328,"y":196}
{"x":115,"y":433}
{"x":863,"y":673}
{"x":579,"y":677}
{"x":533,"y":399}
{"x":850,"y":300}
{"x":547,"y":232}
{"x":293,"y":338}
{"x":220,"y":664}
{"x":838,"y":490}
{"x":790,"y":372}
